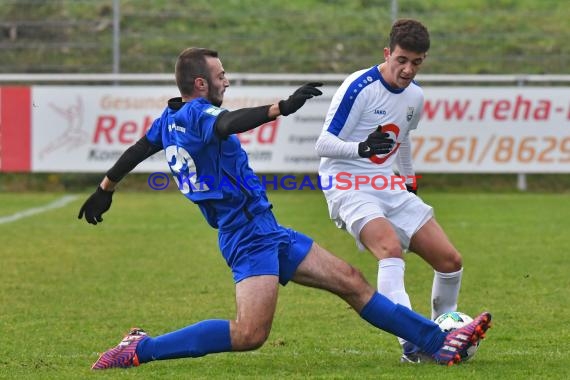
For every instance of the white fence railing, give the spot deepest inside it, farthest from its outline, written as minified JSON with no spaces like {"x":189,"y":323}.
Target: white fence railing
{"x":242,"y":78}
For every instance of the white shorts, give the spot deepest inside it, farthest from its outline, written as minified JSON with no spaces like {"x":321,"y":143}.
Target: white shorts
{"x":351,"y":210}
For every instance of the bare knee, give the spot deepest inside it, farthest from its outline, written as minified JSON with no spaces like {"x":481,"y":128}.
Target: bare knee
{"x":247,"y":337}
{"x":351,"y":280}
{"x":254,"y":340}
{"x":394,"y":251}
{"x":453,"y":262}
{"x":353,"y":287}
{"x":385,"y":248}
{"x":381,"y":239}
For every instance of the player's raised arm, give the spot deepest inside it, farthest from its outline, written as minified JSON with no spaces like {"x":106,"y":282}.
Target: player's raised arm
{"x":100,"y":201}
{"x":245,"y":119}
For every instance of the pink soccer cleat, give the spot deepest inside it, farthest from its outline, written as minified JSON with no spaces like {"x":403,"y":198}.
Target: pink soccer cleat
{"x":124,"y":354}
{"x":457,"y":342}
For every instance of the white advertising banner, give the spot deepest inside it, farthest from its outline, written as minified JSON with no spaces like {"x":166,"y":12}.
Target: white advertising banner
{"x":495,"y":130}
{"x":463,"y":129}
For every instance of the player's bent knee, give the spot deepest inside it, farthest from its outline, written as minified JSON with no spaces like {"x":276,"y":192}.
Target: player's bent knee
{"x":353,"y":281}
{"x":249,"y":339}
{"x":453,"y":262}
{"x":395,"y":251}
{"x":385,"y":251}
{"x":255,"y":340}
{"x":457,"y":262}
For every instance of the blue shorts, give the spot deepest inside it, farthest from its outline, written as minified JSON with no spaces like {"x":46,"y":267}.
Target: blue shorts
{"x":263,"y":247}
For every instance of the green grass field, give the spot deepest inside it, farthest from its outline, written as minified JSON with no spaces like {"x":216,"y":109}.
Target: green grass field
{"x":69,"y":290}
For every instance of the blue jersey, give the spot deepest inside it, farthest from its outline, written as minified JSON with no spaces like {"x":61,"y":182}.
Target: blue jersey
{"x":212,"y":172}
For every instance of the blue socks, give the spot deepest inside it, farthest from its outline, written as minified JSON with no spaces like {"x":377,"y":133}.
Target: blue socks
{"x":404,"y":323}
{"x":212,"y":336}
{"x":202,"y":338}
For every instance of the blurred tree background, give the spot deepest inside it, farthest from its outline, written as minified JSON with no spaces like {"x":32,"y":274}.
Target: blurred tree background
{"x":275,"y":36}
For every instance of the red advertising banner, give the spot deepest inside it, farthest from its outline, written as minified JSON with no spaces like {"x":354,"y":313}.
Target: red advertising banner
{"x":15,"y":129}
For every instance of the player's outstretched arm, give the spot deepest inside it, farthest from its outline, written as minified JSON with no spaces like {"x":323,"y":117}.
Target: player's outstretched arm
{"x":100,"y":201}
{"x":97,"y":204}
{"x":245,"y":119}
{"x":299,"y":97}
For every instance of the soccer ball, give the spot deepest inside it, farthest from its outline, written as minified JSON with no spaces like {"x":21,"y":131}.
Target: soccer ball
{"x":453,"y":320}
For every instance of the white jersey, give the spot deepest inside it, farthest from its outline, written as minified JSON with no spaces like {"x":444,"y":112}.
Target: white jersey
{"x":363,"y":102}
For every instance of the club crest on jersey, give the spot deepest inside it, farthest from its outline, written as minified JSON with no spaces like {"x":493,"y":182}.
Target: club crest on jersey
{"x":410,"y":113}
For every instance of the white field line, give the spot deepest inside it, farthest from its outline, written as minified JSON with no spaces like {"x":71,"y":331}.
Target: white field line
{"x":37,"y":210}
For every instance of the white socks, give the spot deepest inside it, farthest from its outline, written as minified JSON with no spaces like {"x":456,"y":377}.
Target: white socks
{"x":444,"y":292}
{"x":391,"y":282}
{"x":445,"y":288}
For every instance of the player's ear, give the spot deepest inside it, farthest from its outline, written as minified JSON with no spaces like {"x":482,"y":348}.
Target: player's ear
{"x":386,"y":53}
{"x":200,"y":84}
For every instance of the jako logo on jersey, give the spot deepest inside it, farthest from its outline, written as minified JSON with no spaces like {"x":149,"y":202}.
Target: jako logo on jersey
{"x":380,"y":112}
{"x":410,"y":113}
{"x":174,"y":127}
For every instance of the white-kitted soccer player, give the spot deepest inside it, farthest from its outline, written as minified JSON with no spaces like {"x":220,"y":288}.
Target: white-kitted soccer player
{"x":367,"y":131}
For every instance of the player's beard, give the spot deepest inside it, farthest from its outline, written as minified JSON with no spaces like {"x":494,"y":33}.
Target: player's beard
{"x":214,"y":95}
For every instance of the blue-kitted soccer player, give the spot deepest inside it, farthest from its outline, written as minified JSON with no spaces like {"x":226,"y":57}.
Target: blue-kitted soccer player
{"x":198,"y":136}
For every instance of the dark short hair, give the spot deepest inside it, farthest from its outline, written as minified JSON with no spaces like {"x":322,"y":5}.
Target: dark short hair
{"x":410,"y":35}
{"x":191,"y":64}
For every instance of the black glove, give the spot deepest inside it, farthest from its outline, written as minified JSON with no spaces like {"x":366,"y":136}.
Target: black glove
{"x":98,"y":203}
{"x":377,"y":143}
{"x":299,"y":97}
{"x":412,"y":189}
